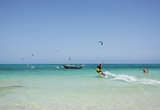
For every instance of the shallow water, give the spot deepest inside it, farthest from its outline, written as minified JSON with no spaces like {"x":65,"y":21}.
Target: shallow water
{"x":46,"y":87}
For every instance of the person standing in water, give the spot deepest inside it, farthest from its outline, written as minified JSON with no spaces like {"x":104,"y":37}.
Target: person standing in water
{"x":145,"y":71}
{"x":99,"y":71}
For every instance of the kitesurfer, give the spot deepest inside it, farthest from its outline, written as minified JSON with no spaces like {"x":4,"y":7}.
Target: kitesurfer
{"x":99,"y":71}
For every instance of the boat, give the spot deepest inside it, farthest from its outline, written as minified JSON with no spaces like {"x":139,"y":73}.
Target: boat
{"x":72,"y":66}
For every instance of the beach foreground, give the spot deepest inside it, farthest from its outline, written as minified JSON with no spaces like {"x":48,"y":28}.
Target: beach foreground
{"x":46,"y":87}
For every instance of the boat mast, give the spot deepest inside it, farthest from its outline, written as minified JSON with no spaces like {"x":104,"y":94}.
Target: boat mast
{"x":69,"y":59}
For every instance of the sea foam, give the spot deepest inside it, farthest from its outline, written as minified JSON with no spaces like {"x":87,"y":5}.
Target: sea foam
{"x":128,"y":78}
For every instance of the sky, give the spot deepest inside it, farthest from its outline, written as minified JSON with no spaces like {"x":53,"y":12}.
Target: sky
{"x":54,"y":30}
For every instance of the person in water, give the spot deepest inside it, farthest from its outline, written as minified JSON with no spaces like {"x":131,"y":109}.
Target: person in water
{"x":145,"y":71}
{"x":99,"y":71}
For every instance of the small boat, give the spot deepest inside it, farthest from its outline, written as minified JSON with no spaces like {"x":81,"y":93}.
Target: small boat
{"x":72,"y":67}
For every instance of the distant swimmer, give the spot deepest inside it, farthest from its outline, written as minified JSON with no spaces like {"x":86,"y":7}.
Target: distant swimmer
{"x":99,"y":71}
{"x":145,"y":71}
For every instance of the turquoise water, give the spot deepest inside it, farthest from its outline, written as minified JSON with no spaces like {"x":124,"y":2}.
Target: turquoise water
{"x":49,"y":87}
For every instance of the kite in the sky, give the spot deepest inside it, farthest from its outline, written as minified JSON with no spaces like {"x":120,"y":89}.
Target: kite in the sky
{"x":100,"y":42}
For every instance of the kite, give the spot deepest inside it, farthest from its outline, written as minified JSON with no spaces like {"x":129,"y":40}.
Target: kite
{"x":100,"y":42}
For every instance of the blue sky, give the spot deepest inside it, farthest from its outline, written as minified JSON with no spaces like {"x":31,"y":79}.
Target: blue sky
{"x":130,"y":30}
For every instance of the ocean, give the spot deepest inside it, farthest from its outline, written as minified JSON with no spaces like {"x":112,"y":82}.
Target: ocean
{"x":51,"y":87}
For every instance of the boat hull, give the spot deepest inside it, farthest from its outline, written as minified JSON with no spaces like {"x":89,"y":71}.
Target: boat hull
{"x":72,"y":67}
